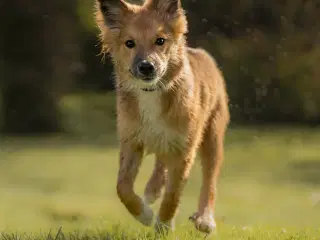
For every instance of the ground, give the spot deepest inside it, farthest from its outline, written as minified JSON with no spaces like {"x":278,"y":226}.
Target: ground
{"x":269,"y":187}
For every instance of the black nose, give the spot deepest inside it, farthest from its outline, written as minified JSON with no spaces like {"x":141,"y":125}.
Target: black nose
{"x":145,"y":68}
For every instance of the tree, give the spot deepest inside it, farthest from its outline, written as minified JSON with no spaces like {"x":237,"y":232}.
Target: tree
{"x":40,"y":57}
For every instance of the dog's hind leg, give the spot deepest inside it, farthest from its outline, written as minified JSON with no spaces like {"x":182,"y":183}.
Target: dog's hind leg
{"x":211,"y":153}
{"x":178,"y":173}
{"x":130,"y":161}
{"x":156,"y":182}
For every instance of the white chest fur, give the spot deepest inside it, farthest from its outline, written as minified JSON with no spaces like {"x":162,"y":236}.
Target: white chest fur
{"x":153,"y":131}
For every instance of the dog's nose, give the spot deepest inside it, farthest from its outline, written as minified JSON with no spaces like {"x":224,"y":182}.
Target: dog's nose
{"x":146,"y":68}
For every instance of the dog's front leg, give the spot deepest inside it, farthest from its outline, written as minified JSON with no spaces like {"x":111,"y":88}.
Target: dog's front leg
{"x":130,"y":161}
{"x":178,"y":173}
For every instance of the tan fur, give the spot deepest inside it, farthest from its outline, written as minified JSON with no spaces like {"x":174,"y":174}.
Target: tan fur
{"x":188,"y":111}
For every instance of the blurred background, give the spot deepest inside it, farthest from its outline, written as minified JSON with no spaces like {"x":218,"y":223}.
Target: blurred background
{"x":58,"y":148}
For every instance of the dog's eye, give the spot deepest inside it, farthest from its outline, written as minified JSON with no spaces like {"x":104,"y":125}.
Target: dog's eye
{"x":130,"y":44}
{"x":160,"y":41}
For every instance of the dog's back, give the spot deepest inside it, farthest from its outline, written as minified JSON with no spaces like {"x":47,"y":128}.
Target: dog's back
{"x":213,"y":92}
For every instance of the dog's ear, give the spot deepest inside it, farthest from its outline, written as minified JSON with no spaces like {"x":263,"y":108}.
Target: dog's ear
{"x":172,"y":13}
{"x":169,"y":8}
{"x":113,"y":12}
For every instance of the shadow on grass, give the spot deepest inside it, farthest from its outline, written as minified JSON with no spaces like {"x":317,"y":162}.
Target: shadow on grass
{"x":64,"y":216}
{"x":306,"y":171}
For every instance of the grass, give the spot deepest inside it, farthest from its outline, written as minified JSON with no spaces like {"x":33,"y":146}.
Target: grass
{"x":269,"y":187}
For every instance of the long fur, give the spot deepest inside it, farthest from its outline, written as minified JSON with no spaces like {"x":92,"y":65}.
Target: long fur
{"x":186,"y":113}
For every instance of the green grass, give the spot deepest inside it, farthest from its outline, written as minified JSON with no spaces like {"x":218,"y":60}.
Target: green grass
{"x":269,"y":187}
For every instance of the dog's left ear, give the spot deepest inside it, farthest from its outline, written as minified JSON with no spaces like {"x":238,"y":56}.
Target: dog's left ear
{"x":113,"y":11}
{"x":172,"y":13}
{"x":169,"y":8}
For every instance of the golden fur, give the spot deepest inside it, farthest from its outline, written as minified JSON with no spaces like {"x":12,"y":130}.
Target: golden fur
{"x":186,"y":112}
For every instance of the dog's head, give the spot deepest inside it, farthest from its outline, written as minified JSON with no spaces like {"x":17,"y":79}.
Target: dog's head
{"x":144,"y":41}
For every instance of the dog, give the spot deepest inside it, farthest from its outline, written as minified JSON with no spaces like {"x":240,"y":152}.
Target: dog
{"x":172,"y":101}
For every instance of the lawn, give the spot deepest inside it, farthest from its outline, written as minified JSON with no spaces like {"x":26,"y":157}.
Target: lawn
{"x":269,"y":187}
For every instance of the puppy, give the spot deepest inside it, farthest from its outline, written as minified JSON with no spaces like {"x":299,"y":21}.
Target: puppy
{"x":171,"y":102}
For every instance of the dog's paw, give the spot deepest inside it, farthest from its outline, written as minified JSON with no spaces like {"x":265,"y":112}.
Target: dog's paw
{"x":146,"y":216}
{"x":163,"y":228}
{"x":204,"y":223}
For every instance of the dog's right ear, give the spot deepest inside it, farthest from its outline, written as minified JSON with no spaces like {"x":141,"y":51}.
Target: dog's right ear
{"x":113,"y":12}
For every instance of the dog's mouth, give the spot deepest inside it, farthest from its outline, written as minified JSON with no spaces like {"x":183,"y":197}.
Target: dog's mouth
{"x":152,"y":86}
{"x":148,"y":89}
{"x":147,"y":79}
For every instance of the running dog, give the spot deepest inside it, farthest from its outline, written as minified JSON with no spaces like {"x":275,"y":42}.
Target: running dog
{"x":171,"y":101}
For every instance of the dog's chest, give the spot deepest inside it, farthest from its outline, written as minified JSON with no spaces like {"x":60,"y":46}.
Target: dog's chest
{"x":153,"y":130}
